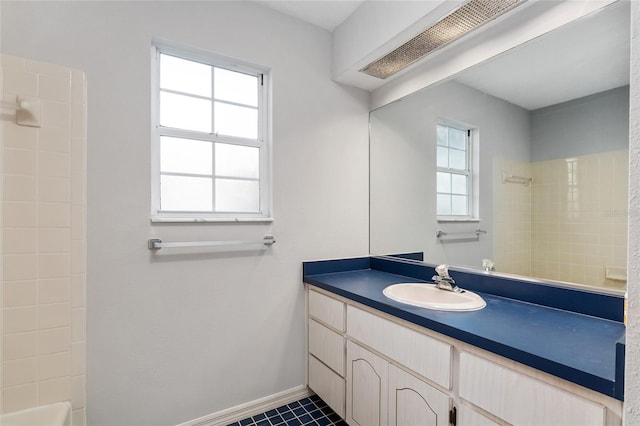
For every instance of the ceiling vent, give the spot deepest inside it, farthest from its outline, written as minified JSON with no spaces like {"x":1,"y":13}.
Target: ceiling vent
{"x":463,"y":20}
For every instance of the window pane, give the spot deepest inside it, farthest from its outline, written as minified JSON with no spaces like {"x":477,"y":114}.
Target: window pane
{"x":444,"y":205}
{"x":235,"y":87}
{"x":237,"y":195}
{"x":180,"y":193}
{"x":185,"y":76}
{"x":232,"y":120}
{"x":185,"y":156}
{"x":459,"y":205}
{"x":457,"y":138}
{"x":185,"y":112}
{"x":459,"y":184}
{"x":237,"y":161}
{"x":442,"y":135}
{"x":444,"y":182}
{"x":443,"y":157}
{"x":457,"y":159}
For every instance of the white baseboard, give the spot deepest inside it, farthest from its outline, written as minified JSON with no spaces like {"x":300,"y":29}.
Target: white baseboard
{"x":252,"y":408}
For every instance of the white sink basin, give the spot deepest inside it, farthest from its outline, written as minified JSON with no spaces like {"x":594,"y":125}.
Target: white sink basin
{"x":430,"y":297}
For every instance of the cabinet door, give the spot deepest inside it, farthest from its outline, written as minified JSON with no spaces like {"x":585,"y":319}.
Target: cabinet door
{"x":367,"y":380}
{"x":413,"y":402}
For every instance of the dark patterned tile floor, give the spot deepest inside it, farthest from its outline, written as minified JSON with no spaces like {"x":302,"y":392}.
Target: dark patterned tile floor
{"x":311,"y":411}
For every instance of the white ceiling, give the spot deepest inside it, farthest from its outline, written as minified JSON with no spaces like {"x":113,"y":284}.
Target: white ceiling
{"x":327,"y":14}
{"x":579,"y":59}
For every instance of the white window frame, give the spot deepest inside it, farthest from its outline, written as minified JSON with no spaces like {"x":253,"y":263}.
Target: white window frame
{"x":263,"y":141}
{"x":470,"y":171}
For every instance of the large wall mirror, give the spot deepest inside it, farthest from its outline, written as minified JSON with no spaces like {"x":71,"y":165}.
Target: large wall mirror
{"x":544,"y":128}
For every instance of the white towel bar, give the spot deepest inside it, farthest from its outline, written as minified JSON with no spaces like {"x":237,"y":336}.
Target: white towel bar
{"x":157,"y":244}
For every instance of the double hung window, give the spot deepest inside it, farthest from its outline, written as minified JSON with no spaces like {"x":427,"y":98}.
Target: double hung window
{"x":454,"y":173}
{"x":210,"y":138}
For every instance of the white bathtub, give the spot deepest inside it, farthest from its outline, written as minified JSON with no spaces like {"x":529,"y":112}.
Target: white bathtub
{"x":58,"y":414}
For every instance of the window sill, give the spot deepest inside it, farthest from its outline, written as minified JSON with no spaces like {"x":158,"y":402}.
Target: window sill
{"x":156,"y":219}
{"x":460,"y":220}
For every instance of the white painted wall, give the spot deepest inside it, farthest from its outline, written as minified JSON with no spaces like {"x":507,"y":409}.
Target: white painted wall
{"x":632,"y":368}
{"x":589,"y":125}
{"x":177,"y":336}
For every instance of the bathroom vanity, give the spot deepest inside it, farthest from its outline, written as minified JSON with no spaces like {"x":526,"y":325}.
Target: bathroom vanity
{"x":376,"y":361}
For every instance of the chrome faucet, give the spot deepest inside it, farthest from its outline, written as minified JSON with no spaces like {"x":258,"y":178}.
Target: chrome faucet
{"x":444,"y":281}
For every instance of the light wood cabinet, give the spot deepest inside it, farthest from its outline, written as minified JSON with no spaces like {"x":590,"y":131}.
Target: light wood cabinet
{"x":367,"y":381}
{"x":522,"y":400}
{"x":413,"y":402}
{"x":374,"y":370}
{"x":327,"y":350}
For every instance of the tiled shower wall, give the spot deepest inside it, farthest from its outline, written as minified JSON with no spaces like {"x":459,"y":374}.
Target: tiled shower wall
{"x":43,"y":326}
{"x":512,"y":218}
{"x":570,"y":224}
{"x":579,"y":218}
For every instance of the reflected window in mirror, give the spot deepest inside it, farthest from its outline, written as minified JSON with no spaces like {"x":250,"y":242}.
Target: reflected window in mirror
{"x":454,"y":172}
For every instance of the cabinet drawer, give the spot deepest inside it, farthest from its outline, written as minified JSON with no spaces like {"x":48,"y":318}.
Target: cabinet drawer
{"x":523,"y":400}
{"x":327,"y":346}
{"x":328,"y":385}
{"x":327,"y":310}
{"x":425,"y":355}
{"x":469,"y":417}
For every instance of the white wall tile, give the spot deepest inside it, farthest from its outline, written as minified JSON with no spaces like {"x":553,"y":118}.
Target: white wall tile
{"x":78,"y":358}
{"x":20,"y":83}
{"x":19,"y":345}
{"x":38,"y":288}
{"x":54,"y":240}
{"x":78,"y":392}
{"x":54,"y":164}
{"x":54,"y":89}
{"x":55,"y":140}
{"x":54,"y":316}
{"x":19,"y":188}
{"x":54,"y":215}
{"x":54,"y":265}
{"x":19,"y":240}
{"x":56,"y":290}
{"x":51,"y":70}
{"x":19,"y":214}
{"x":55,"y":114}
{"x":19,"y":161}
{"x":78,"y":262}
{"x":54,"y":340}
{"x":54,"y":390}
{"x":21,"y":319}
{"x":12,"y":62}
{"x":79,"y":325}
{"x":19,"y":293}
{"x":14,"y":136}
{"x":79,"y":417}
{"x":19,"y":397}
{"x":54,"y":189}
{"x":54,"y":365}
{"x":19,"y":267}
{"x":78,"y":290}
{"x":77,"y":223}
{"x":20,"y":371}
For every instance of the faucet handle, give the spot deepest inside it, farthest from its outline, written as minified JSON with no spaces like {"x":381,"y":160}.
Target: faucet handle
{"x":443,"y":270}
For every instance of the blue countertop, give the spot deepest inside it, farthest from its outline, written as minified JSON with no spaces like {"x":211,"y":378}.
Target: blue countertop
{"x":577,"y":347}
